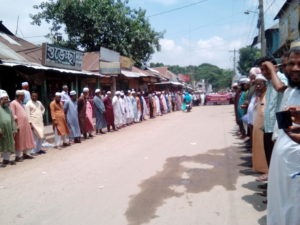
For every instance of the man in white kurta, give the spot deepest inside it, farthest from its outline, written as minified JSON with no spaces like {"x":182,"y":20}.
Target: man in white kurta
{"x":124,"y":108}
{"x":35,"y":111}
{"x":65,"y":97}
{"x":284,"y":172}
{"x":25,"y":88}
{"x":129,"y":105}
{"x":118,"y":112}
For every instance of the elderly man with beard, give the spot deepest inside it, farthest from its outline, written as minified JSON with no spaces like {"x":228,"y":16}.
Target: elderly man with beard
{"x":35,"y":111}
{"x":24,"y":138}
{"x":85,"y":112}
{"x":70,"y":108}
{"x":284,"y":172}
{"x":7,"y":129}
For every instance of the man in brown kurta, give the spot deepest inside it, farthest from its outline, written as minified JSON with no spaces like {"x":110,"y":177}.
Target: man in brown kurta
{"x":85,"y":123}
{"x":59,"y":122}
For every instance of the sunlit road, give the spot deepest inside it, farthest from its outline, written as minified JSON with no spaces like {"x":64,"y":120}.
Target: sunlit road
{"x":178,"y":169}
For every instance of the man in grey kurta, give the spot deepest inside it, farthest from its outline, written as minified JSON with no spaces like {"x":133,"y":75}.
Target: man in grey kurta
{"x":7,"y":129}
{"x":99,"y":111}
{"x":70,"y":108}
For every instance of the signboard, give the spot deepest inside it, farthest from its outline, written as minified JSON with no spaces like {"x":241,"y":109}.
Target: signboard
{"x":109,"y":55}
{"x":126,"y":63}
{"x":184,"y":77}
{"x":110,"y":68}
{"x":59,"y":57}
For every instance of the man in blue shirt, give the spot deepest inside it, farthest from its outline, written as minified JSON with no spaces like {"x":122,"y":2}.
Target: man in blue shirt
{"x":276,"y":85}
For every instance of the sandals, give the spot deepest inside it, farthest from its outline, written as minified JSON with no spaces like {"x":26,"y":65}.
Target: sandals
{"x":262,"y":178}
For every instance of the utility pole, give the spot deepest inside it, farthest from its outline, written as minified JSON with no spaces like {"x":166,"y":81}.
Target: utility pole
{"x":262,"y":28}
{"x":17,"y":28}
{"x":234,"y":63}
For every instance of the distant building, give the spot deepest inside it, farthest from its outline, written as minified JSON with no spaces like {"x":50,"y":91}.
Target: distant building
{"x":289,"y":19}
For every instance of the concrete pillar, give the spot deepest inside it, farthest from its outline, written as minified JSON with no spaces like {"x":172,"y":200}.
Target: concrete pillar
{"x":114,"y":85}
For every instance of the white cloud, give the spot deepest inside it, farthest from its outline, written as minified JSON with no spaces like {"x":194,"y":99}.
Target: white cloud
{"x":11,"y":10}
{"x":214,"y":50}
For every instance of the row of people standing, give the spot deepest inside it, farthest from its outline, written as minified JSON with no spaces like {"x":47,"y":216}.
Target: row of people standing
{"x":22,"y":126}
{"x":275,"y":152}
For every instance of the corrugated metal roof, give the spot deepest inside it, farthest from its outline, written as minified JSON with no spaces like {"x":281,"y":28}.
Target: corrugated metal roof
{"x":41,"y":67}
{"x":131,"y":74}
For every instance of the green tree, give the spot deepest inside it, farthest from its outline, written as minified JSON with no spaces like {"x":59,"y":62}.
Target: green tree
{"x":91,"y":24}
{"x":219,"y":78}
{"x":248,"y":55}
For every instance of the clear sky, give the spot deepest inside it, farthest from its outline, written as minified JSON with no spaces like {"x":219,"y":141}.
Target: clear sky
{"x":196,"y":31}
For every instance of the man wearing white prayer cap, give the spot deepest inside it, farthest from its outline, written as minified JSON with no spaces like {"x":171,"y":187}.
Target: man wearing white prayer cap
{"x":118,"y":111}
{"x":65,"y":94}
{"x":276,"y":85}
{"x":59,"y":122}
{"x":35,"y":111}
{"x":24,"y":141}
{"x":25,"y":88}
{"x":70,"y":108}
{"x":109,"y":112}
{"x":85,"y":114}
{"x":7,"y":129}
{"x":242,"y":105}
{"x":99,"y":112}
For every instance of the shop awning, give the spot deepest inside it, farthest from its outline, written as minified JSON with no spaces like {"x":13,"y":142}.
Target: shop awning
{"x":131,"y":74}
{"x":46,"y":68}
{"x":174,"y":83}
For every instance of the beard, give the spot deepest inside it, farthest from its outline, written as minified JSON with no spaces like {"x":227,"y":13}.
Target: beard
{"x":292,"y":83}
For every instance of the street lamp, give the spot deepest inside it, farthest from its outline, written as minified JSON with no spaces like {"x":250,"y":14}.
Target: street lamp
{"x":261,"y":26}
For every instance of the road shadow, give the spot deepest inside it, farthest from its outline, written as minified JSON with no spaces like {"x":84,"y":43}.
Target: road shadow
{"x":181,"y":175}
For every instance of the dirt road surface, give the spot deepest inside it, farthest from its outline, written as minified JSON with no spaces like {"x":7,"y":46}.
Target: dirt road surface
{"x":177,"y":169}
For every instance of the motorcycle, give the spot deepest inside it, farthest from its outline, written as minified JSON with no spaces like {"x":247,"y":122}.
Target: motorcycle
{"x":188,"y":107}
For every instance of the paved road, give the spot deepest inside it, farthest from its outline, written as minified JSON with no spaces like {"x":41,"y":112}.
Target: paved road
{"x":178,"y":169}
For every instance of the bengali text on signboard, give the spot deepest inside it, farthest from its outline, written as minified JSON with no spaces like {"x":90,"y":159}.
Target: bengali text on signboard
{"x":59,"y":57}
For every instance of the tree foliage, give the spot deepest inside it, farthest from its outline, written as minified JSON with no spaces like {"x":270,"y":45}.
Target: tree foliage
{"x":91,"y":24}
{"x":219,"y":78}
{"x":248,"y":55}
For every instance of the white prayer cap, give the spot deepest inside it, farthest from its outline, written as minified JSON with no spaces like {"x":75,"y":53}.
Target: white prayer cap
{"x":3,"y":94}
{"x":128,"y":91}
{"x":122,"y":93}
{"x":97,"y":90}
{"x":244,"y":80}
{"x":72,"y":92}
{"x":65,"y":86}
{"x":24,"y":84}
{"x":260,"y":77}
{"x":133,"y":92}
{"x":58,"y":94}
{"x":235,"y":84}
{"x":109,"y":92}
{"x":254,"y":71}
{"x":20,"y":92}
{"x":86,"y":89}
{"x":118,"y":92}
{"x":295,"y":44}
